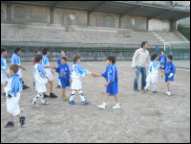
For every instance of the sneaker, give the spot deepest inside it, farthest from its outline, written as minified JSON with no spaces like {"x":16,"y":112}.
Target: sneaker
{"x":155,"y":91}
{"x":170,"y":93}
{"x":167,"y":92}
{"x":9,"y":125}
{"x":144,"y":90}
{"x":72,"y":103}
{"x":101,"y":106}
{"x":117,"y":106}
{"x":33,"y":102}
{"x":53,"y":95}
{"x":25,"y":87}
{"x":46,"y":96}
{"x":64,"y":97}
{"x":136,"y":90}
{"x":58,"y":86}
{"x":22,"y":120}
{"x":45,"y":103}
{"x":3,"y":96}
{"x":85,"y":102}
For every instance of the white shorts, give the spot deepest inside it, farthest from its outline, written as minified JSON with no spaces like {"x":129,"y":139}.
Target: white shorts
{"x":4,"y":78}
{"x":41,"y":88}
{"x":76,"y":84}
{"x":13,"y":105}
{"x":152,"y":78}
{"x":49,"y":74}
{"x":20,"y":73}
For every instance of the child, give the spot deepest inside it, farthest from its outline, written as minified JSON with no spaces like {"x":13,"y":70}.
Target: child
{"x":64,"y":75}
{"x":37,"y":52}
{"x":48,"y":69}
{"x":13,"y":92}
{"x":4,"y":71}
{"x":41,"y":79}
{"x":111,"y":76}
{"x":63,"y":54}
{"x":153,"y":73}
{"x":77,"y":73}
{"x":162,"y":60}
{"x":16,"y":60}
{"x":169,"y":71}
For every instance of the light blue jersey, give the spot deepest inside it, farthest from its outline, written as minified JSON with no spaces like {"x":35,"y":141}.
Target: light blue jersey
{"x":15,"y":59}
{"x":4,"y":64}
{"x":45,"y":61}
{"x":153,"y":67}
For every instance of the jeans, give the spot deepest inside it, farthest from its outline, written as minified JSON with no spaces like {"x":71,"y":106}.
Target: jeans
{"x":143,"y":81}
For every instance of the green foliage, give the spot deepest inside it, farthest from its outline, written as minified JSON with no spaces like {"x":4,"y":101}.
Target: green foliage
{"x":185,"y":31}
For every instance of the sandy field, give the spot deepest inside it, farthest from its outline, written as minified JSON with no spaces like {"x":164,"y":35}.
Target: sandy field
{"x":150,"y":118}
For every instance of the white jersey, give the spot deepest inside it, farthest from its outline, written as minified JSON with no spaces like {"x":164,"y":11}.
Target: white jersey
{"x":153,"y":67}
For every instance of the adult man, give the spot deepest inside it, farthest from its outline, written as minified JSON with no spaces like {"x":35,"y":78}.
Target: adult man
{"x":140,"y":59}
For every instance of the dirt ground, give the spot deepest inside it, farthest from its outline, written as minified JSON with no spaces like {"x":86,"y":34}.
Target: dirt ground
{"x":150,"y":118}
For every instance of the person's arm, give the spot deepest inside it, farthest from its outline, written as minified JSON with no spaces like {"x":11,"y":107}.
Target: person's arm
{"x":172,"y":71}
{"x":135,"y":59}
{"x":22,"y":67}
{"x":148,"y":59}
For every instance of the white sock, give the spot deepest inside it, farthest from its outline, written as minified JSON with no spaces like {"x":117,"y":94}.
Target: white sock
{"x":81,"y":96}
{"x":35,"y":99}
{"x":72,"y":95}
{"x":104,"y":103}
{"x":148,"y":84}
{"x":42,"y":98}
{"x":59,"y":83}
{"x":154,"y":87}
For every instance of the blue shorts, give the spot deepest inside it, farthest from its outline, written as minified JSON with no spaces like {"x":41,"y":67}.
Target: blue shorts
{"x":162,"y":68}
{"x":169,"y":79}
{"x":65,"y":83}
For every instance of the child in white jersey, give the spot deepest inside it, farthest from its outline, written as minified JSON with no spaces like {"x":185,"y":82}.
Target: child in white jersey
{"x":152,"y":77}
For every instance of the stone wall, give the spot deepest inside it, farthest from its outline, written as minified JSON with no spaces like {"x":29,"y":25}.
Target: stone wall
{"x":159,"y":25}
{"x":3,"y":12}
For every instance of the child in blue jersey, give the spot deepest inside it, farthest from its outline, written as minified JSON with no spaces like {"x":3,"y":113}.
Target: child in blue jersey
{"x":63,"y":54}
{"x":13,"y":92}
{"x":49,"y":71}
{"x":111,"y":76}
{"x":16,"y":60}
{"x":64,"y":75}
{"x":41,"y":79}
{"x":152,"y":77}
{"x":4,"y":71}
{"x":162,"y":60}
{"x":76,"y":74}
{"x":169,"y":71}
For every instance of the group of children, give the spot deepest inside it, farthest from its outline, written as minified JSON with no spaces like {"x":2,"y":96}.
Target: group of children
{"x":43,"y":74}
{"x":167,"y":68}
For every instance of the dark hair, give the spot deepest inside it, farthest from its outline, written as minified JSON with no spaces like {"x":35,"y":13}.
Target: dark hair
{"x":17,"y":49}
{"x":64,"y":58}
{"x":153,"y":56}
{"x":3,"y":50}
{"x":36,"y":51}
{"x":143,"y":43}
{"x":14,"y":68}
{"x":170,"y":57}
{"x":45,"y":50}
{"x":162,"y":51}
{"x":75,"y":58}
{"x":112,"y":59}
{"x":38,"y":58}
{"x":63,"y":51}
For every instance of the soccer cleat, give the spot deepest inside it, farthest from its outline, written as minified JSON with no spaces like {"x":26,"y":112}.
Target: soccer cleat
{"x":101,"y":106}
{"x":117,"y":106}
{"x":9,"y":125}
{"x":72,"y":103}
{"x":22,"y":120}
{"x":3,"y":96}
{"x":33,"y":102}
{"x":46,"y":96}
{"x":85,"y":102}
{"x":64,"y":97}
{"x":25,"y":87}
{"x":155,"y":91}
{"x":167,"y":92}
{"x":45,"y":103}
{"x":53,"y":95}
{"x":58,"y":86}
{"x":170,"y":93}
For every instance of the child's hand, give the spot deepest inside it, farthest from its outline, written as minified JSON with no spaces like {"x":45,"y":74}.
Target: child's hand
{"x":94,"y":75}
{"x":62,"y":73}
{"x":106,"y":84}
{"x":71,"y":80}
{"x":53,"y":67}
{"x":169,"y":76}
{"x":24,"y":68}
